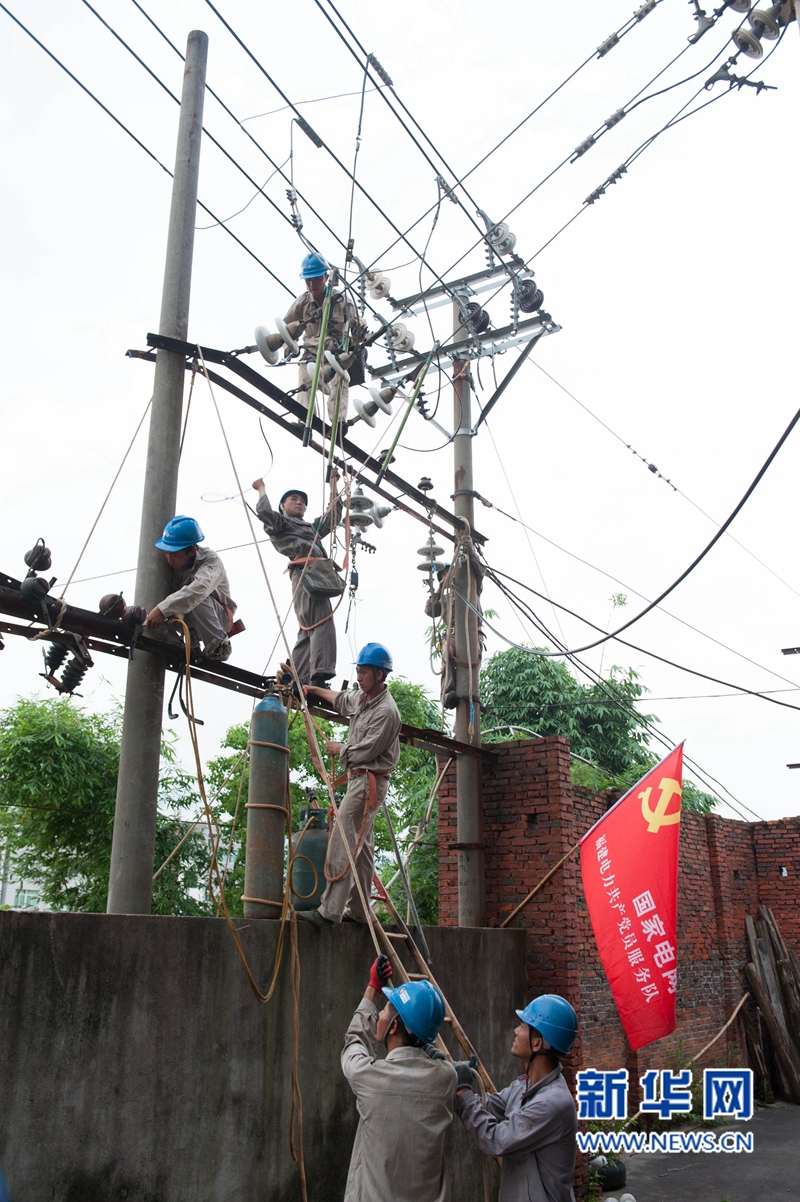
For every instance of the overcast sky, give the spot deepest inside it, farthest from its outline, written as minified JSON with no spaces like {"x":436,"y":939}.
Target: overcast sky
{"x":676,"y":294}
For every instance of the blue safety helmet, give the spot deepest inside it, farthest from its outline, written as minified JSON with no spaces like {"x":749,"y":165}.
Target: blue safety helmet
{"x":554,"y":1019}
{"x":420,"y":1008}
{"x":312,"y":267}
{"x":375,"y":655}
{"x":290,"y":491}
{"x":179,"y":533}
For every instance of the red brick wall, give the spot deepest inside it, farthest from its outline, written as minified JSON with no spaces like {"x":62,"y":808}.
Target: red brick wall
{"x":533,"y":815}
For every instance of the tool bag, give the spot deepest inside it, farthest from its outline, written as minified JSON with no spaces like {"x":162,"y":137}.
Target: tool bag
{"x":321,"y":579}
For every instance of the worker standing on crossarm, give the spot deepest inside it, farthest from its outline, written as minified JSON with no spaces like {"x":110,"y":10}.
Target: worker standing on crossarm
{"x":342,"y":330}
{"x":532,"y":1123}
{"x":202,"y":593}
{"x":314,"y":653}
{"x":405,"y":1101}
{"x":371,"y":753}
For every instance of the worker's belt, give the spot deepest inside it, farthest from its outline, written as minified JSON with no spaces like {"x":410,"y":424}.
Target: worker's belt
{"x":303,"y":559}
{"x":372,"y":794}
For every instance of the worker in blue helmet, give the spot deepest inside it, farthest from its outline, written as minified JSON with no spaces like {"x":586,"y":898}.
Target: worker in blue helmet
{"x":314,"y":653}
{"x":201,"y":593}
{"x":405,"y":1099}
{"x":369,"y":756}
{"x":304,"y":317}
{"x":532,"y":1123}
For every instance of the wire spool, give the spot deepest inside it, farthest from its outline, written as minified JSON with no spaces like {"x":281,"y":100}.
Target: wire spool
{"x":764,"y":22}
{"x":378,"y":284}
{"x":402,"y":338}
{"x":286,"y":337}
{"x":530,"y":297}
{"x":747,"y":43}
{"x":366,"y":411}
{"x":501,"y":238}
{"x":337,"y":367}
{"x":475,"y":318}
{"x":382,"y":398}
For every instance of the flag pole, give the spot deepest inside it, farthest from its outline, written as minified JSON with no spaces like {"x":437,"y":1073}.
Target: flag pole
{"x":536,"y":889}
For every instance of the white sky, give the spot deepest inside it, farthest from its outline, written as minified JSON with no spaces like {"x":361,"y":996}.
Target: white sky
{"x":675,"y":293}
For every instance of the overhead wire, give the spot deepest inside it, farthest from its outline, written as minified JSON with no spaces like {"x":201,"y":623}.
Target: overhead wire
{"x":139,"y":142}
{"x":709,"y":546}
{"x":606,"y":686}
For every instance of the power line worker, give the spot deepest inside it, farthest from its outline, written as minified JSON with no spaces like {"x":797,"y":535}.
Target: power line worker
{"x":531,"y":1123}
{"x":342,"y":330}
{"x":405,"y":1101}
{"x":371,"y":753}
{"x":202,"y":594}
{"x":314,"y":653}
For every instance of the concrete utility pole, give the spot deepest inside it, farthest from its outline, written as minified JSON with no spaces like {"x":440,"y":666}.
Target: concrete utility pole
{"x":130,"y":886}
{"x":471,"y":881}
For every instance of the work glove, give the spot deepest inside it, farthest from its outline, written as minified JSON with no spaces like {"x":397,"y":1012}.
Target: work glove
{"x":466,"y":1079}
{"x":434,"y":1052}
{"x":381,"y":973}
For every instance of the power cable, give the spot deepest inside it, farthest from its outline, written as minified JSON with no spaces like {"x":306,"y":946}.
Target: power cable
{"x":317,"y":100}
{"x":319,"y":140}
{"x":623,"y":703}
{"x":699,"y":558}
{"x":615,"y":580}
{"x":654,"y":470}
{"x":542,"y":654}
{"x":138,"y":141}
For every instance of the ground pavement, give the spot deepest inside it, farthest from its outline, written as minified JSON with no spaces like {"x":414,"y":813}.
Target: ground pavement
{"x":770,"y":1173}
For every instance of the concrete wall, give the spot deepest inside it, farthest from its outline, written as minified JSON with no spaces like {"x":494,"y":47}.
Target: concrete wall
{"x":135,"y":1062}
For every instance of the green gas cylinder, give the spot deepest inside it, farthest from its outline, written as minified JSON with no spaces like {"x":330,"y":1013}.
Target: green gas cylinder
{"x":308,"y":872}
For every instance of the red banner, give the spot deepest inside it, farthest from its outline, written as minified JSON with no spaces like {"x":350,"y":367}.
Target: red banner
{"x":629,"y":866}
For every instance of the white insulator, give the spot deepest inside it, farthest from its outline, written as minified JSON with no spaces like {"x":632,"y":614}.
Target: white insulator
{"x":430,"y":565}
{"x":381,"y":397}
{"x":502,"y":239}
{"x":358,"y":502}
{"x":381,"y":286}
{"x":337,"y":367}
{"x":361,"y":520}
{"x":379,"y":512}
{"x":398,"y":333}
{"x":430,"y":550}
{"x":262,"y":337}
{"x":283,"y":330}
{"x":365,"y":410}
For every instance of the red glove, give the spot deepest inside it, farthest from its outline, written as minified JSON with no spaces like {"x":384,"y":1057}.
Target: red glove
{"x":381,"y":973}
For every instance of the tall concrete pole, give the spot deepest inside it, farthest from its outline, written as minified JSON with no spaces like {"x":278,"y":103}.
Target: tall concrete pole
{"x":130,"y":885}
{"x":471,"y":881}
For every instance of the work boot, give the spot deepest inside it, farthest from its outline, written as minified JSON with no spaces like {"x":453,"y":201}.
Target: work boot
{"x":321,"y":682}
{"x":314,"y":916}
{"x":220,"y":653}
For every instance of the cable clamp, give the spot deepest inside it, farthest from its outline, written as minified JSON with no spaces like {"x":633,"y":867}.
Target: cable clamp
{"x":466,"y":431}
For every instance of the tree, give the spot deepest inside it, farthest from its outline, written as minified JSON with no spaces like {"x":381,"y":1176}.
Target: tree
{"x":521,"y":689}
{"x":58,"y":780}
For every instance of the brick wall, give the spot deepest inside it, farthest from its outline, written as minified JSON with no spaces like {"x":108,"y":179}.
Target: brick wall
{"x":533,"y":815}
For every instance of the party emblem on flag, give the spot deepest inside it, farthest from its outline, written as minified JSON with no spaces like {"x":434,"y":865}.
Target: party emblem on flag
{"x":629,"y":867}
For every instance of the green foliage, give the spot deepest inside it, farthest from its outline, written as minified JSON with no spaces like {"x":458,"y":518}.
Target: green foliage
{"x":58,"y":779}
{"x":541,"y":694}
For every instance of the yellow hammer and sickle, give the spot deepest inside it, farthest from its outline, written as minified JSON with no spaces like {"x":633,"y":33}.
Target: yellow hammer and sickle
{"x":659,"y":817}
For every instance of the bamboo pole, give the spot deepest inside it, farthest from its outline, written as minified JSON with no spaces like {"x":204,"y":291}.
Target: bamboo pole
{"x":543,"y":881}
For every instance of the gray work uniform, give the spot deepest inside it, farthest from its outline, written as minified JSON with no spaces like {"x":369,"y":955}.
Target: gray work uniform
{"x":342,"y":323}
{"x":373,"y":743}
{"x":314,"y":652}
{"x":202,"y":597}
{"x":405,"y":1105}
{"x":533,"y":1128}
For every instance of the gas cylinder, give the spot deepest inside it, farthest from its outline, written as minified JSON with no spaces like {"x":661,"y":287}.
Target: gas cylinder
{"x":308,"y":873}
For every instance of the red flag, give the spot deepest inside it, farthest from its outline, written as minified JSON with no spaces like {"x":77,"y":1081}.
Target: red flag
{"x":629,"y":866}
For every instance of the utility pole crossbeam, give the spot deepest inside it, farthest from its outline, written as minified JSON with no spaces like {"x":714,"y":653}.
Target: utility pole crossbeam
{"x":130,"y":884}
{"x":469,"y":828}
